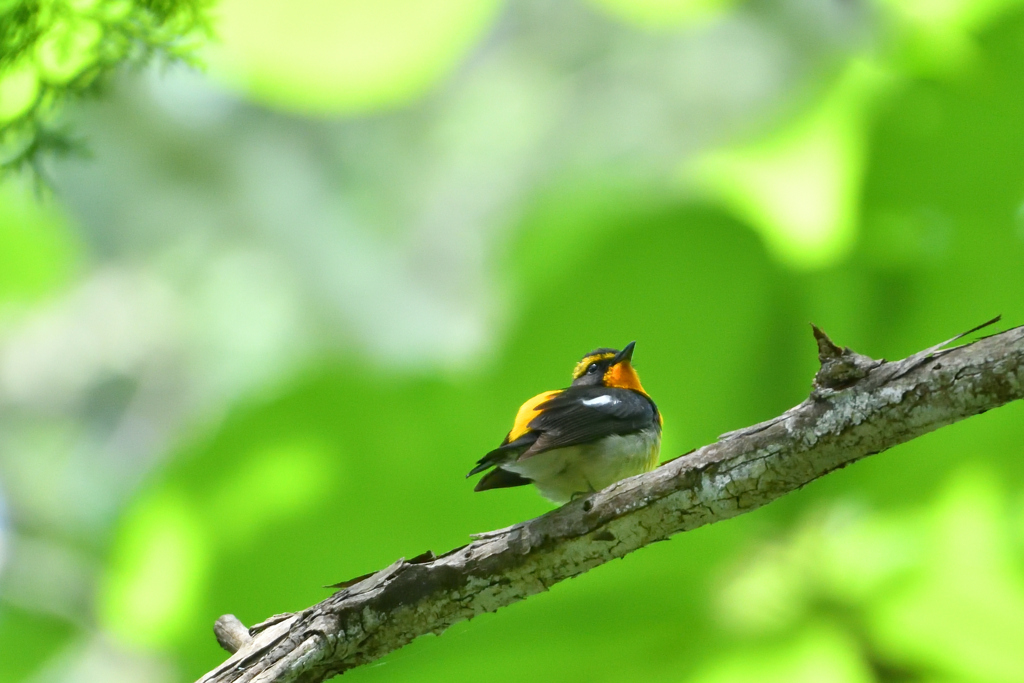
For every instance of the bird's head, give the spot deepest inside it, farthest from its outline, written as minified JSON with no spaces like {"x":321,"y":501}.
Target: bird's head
{"x":609,"y":368}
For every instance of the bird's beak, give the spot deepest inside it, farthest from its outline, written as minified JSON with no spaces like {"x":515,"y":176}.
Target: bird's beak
{"x":625,"y":354}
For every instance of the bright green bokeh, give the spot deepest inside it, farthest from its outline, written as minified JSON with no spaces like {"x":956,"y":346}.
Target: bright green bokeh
{"x":38,"y":251}
{"x":939,"y":37}
{"x":944,"y":595}
{"x":964,"y":613}
{"x":289,"y":478}
{"x":800,"y":187}
{"x":68,"y":48}
{"x":157,"y":573}
{"x":344,"y":56}
{"x":19,"y":87}
{"x":160,"y":570}
{"x":820,"y":655}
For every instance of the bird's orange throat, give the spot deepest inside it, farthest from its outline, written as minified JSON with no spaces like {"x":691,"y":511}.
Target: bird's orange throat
{"x":623,"y":376}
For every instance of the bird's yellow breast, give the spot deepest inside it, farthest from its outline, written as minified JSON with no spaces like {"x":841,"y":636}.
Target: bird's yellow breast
{"x":527,"y":412}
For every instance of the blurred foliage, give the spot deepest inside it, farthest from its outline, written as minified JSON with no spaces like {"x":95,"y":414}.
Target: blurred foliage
{"x":939,"y":37}
{"x":53,"y":50}
{"x":933,"y":593}
{"x":801,"y":185}
{"x":33,"y":639}
{"x":38,"y":252}
{"x":663,"y":14}
{"x":344,"y":56}
{"x":886,"y":204}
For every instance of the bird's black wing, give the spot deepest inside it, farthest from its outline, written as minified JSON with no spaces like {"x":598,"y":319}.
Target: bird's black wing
{"x":506,"y":452}
{"x":583,"y":414}
{"x":499,"y":478}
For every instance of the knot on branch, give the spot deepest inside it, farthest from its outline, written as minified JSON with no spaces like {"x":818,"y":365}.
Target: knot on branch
{"x":232,"y":635}
{"x":840,"y":367}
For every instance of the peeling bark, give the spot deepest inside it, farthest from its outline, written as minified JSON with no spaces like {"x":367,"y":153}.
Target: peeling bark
{"x":858,"y":407}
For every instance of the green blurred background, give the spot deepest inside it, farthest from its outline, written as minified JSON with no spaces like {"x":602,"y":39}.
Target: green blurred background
{"x":250,"y":345}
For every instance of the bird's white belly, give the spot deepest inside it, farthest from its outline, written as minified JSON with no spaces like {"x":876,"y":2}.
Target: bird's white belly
{"x":564,"y":473}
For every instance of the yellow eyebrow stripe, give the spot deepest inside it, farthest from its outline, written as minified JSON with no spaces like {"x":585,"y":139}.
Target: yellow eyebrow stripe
{"x":527,"y":412}
{"x":581,"y":367}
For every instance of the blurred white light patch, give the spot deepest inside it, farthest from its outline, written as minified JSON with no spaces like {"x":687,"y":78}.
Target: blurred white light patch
{"x":247,"y":325}
{"x":109,"y":325}
{"x":45,"y":576}
{"x":397,"y":316}
{"x":98,"y":659}
{"x":236,"y":326}
{"x":664,"y":14}
{"x":119,"y":366}
{"x":189,"y":96}
{"x":800,"y":187}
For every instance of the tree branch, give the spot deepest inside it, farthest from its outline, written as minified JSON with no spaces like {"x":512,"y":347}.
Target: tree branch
{"x":858,"y":407}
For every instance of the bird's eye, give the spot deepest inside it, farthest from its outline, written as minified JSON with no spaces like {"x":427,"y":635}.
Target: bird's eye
{"x":592,"y":368}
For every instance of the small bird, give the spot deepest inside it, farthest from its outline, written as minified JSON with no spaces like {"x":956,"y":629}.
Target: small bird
{"x":570,"y":442}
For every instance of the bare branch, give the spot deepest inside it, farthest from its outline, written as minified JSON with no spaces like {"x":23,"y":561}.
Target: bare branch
{"x":858,"y":407}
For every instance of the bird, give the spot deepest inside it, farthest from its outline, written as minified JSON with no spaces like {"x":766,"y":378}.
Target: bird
{"x":571,"y":442}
